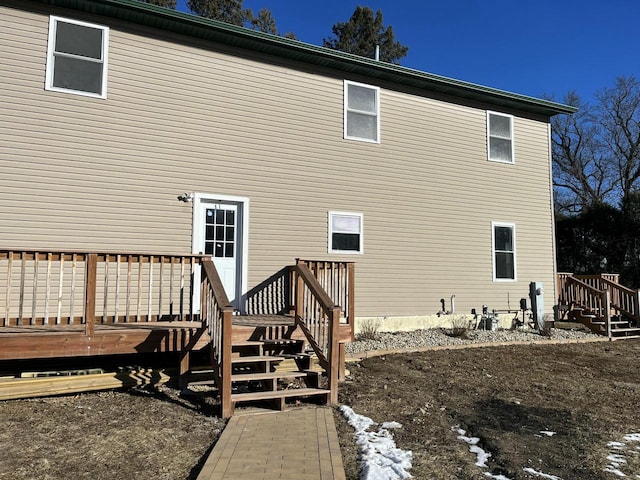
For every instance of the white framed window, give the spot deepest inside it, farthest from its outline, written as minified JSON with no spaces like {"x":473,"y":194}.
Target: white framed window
{"x":77,"y":57}
{"x":500,"y":137}
{"x":361,"y":112}
{"x":503,"y":239}
{"x":345,"y":232}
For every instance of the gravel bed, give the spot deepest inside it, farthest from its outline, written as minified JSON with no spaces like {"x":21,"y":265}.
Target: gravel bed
{"x":435,"y":337}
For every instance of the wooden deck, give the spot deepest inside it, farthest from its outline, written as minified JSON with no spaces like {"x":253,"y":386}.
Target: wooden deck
{"x":88,"y":304}
{"x":50,"y":341}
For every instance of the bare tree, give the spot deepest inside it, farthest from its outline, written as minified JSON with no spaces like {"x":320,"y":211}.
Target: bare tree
{"x":618,"y":114}
{"x":582,"y":171}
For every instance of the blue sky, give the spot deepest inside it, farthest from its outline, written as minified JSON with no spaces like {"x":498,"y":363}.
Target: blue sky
{"x":530,"y":47}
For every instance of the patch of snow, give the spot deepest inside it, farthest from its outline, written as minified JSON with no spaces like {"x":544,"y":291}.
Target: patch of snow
{"x":617,"y":456}
{"x":547,"y":433}
{"x":496,"y":477}
{"x":481,"y":455}
{"x":380,"y":459}
{"x":531,"y":471}
{"x":391,"y":425}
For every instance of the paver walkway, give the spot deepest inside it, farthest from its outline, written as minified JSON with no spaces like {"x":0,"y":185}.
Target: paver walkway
{"x":299,"y":444}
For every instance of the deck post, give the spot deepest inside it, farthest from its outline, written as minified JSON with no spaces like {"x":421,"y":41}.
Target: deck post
{"x":351,"y":277}
{"x":342,"y":366}
{"x":225,"y":387}
{"x":185,"y":365}
{"x":91,"y":268}
{"x":606,"y":310}
{"x":334,"y":354}
{"x":299,"y":292}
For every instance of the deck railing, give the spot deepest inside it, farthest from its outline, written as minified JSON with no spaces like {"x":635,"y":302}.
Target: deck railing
{"x":319,"y":318}
{"x":593,"y":293}
{"x":623,"y":299}
{"x":52,"y":288}
{"x":338,"y":280}
{"x":217,"y":313}
{"x":70,"y":288}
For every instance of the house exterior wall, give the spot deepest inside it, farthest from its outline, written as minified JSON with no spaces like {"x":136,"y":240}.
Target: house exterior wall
{"x":183,"y":115}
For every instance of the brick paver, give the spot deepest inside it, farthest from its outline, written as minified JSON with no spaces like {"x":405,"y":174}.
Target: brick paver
{"x":299,"y":444}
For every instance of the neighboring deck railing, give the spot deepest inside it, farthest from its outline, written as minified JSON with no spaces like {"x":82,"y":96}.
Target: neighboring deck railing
{"x":89,"y":288}
{"x":597,"y":294}
{"x":623,"y":299}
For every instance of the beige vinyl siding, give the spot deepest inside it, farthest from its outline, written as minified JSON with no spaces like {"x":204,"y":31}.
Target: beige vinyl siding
{"x":183,"y":116}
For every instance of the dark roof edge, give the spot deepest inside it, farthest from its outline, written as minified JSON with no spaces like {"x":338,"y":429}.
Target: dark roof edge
{"x":199,"y":27}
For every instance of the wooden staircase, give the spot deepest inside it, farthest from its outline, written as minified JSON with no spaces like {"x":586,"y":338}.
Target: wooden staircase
{"x":270,"y":366}
{"x":600,"y":303}
{"x":620,"y":326}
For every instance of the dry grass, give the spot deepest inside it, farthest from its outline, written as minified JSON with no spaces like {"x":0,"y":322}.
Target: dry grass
{"x":108,"y":435}
{"x":587,"y":393}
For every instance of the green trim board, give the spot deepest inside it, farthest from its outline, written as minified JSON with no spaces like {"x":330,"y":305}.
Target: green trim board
{"x":211,"y":30}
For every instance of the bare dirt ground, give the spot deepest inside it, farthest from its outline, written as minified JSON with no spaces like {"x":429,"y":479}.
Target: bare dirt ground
{"x":588,"y":394}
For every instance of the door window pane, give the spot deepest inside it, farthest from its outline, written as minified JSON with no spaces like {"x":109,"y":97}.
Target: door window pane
{"x":220,"y":232}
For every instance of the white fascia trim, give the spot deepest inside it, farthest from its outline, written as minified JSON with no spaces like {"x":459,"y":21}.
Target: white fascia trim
{"x":493,"y":251}
{"x":513,"y":143}
{"x":345,"y":103}
{"x":48,"y":85}
{"x":330,"y":249}
{"x":197,"y":234}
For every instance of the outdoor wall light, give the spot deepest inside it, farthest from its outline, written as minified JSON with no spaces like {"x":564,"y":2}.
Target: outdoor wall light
{"x":186,"y":197}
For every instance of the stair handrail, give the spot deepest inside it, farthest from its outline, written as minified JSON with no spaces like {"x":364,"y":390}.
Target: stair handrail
{"x":216,"y":312}
{"x":588,"y":297}
{"x":320,"y":330}
{"x":623,"y":299}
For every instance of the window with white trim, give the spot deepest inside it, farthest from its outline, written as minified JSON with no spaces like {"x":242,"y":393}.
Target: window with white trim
{"x":361,"y":112}
{"x":504,"y":251}
{"x":345,"y":232}
{"x":77,"y":57}
{"x":500,"y":137}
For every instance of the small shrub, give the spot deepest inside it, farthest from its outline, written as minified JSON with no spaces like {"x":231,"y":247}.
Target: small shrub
{"x":369,"y":329}
{"x":459,"y":327}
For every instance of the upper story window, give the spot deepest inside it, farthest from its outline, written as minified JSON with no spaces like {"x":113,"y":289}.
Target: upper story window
{"x":361,"y":112}
{"x":504,"y":251}
{"x":345,"y":232}
{"x":77,"y":57}
{"x":500,"y":137}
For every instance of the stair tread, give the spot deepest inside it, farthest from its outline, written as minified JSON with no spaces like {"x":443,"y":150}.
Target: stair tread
{"x":257,"y":358}
{"x":247,"y":343}
{"x":294,"y":392}
{"x":276,"y":341}
{"x":295,"y":355}
{"x":243,"y":377}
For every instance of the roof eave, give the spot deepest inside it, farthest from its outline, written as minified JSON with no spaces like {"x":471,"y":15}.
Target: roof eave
{"x":212,"y":30}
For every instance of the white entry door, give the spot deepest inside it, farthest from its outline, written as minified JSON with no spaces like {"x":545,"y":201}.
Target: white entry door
{"x":219,"y":232}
